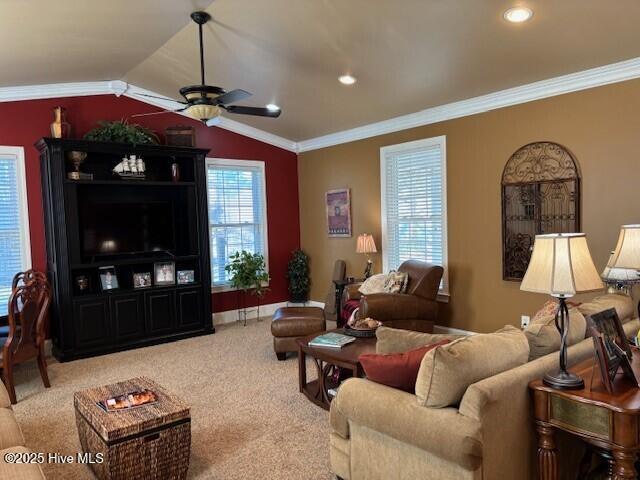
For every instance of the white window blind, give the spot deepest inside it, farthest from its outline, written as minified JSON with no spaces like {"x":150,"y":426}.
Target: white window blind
{"x":414,"y":204}
{"x":14,"y":221}
{"x":237,"y":212}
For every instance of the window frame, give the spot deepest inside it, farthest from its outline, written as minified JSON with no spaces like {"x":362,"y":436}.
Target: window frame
{"x":231,"y":162}
{"x":385,"y":153}
{"x":23,"y":203}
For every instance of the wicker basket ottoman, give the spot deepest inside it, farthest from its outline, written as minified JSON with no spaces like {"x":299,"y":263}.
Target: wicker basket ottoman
{"x":147,"y":442}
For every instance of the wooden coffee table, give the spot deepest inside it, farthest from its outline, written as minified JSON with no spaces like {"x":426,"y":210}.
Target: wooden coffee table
{"x":147,"y":442}
{"x":332,"y":366}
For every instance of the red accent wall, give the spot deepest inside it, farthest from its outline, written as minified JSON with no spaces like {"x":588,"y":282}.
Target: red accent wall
{"x":23,"y":123}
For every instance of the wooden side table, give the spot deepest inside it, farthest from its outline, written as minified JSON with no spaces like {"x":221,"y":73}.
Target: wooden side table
{"x":608,"y":422}
{"x":326,"y":361}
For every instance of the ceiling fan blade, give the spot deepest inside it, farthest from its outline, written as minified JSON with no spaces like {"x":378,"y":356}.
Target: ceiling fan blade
{"x":256,"y":111}
{"x":160,"y":98}
{"x":233,"y":96}
{"x":157,"y":113}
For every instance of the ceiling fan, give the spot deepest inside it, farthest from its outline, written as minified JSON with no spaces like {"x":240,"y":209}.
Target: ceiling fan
{"x":205,"y":102}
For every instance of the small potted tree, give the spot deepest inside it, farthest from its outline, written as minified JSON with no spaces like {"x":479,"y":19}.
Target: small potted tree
{"x":248,"y":276}
{"x":298,"y":275}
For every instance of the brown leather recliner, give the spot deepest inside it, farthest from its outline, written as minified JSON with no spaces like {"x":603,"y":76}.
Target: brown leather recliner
{"x":417,"y":309}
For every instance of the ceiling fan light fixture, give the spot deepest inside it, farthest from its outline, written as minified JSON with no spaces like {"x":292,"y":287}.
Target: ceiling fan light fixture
{"x":203,"y":111}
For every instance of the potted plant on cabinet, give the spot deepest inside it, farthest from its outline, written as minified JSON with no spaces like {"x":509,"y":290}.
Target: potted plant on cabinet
{"x":298,"y":275}
{"x":122,"y":132}
{"x":248,"y":276}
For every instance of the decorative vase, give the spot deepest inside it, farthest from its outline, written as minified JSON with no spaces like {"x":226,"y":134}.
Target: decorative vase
{"x":175,"y":172}
{"x":76,"y":158}
{"x":60,"y":128}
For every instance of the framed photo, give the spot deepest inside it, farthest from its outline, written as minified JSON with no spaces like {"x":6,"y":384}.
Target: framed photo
{"x":108,"y":278}
{"x":338,"y":205}
{"x":185,"y":276}
{"x":612,"y":348}
{"x":164,"y":273}
{"x":142,"y":280}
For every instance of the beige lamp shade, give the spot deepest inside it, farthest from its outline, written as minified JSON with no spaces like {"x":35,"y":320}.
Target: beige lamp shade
{"x":366,"y":244}
{"x":203,"y":111}
{"x":627,"y":252}
{"x":561,"y":266}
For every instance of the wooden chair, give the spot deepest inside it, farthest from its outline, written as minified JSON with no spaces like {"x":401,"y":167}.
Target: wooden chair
{"x":28,"y":308}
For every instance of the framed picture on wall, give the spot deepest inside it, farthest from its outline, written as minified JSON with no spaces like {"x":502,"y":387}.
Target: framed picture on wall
{"x":338,"y":205}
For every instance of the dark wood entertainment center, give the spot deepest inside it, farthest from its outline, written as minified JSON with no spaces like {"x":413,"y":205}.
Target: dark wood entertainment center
{"x":93,"y":321}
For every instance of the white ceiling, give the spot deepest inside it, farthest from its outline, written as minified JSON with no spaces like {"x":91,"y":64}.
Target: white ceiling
{"x":408,"y":55}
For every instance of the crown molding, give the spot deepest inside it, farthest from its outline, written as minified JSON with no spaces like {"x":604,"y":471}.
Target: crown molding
{"x":118,"y":88}
{"x":56,"y":90}
{"x":595,"y":77}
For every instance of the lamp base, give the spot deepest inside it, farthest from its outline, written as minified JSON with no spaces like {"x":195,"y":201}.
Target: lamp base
{"x":563,"y":380}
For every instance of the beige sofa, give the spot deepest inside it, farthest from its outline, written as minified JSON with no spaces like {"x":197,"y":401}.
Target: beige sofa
{"x":380,"y":432}
{"x":12,"y":441}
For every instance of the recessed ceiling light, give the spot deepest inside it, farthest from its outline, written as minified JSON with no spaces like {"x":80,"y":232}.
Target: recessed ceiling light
{"x":272,"y":107}
{"x":518,"y":14}
{"x":347,"y":79}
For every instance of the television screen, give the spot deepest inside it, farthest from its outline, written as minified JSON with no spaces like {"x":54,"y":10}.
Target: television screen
{"x":120,"y":228}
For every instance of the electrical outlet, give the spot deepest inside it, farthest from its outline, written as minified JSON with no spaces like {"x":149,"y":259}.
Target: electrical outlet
{"x":524,"y":321}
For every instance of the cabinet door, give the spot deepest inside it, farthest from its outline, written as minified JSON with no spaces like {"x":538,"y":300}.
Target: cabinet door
{"x":160,"y":312}
{"x":91,"y":317}
{"x":127,"y":315}
{"x":189,"y":309}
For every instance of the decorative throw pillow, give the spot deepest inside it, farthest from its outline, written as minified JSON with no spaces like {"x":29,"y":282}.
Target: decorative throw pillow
{"x":550,"y":307}
{"x":446,"y":372}
{"x":396,"y":340}
{"x":397,"y":370}
{"x":622,"y":303}
{"x":396,"y":282}
{"x":373,"y":284}
{"x":544,"y":338}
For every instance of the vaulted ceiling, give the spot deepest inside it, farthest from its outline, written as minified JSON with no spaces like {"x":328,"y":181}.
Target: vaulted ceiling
{"x":407,"y":55}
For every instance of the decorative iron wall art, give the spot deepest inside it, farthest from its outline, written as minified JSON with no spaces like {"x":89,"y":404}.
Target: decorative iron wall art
{"x":540,"y":194}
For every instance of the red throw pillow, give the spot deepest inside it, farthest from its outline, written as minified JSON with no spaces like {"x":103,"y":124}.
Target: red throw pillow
{"x":397,"y":370}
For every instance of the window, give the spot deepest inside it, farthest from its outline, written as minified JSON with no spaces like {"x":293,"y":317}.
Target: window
{"x":237,"y":213}
{"x":14,"y":221}
{"x":414,"y":204}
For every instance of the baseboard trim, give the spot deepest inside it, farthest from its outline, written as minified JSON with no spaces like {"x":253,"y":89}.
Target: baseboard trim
{"x":231,"y":316}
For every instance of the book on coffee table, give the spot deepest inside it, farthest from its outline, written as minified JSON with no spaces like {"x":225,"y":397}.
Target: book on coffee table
{"x":331,"y":340}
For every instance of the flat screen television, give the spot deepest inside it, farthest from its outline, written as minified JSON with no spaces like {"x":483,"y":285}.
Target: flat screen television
{"x":126,"y":228}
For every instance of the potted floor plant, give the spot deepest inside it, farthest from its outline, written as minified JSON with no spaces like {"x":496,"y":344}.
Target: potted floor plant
{"x":248,"y":276}
{"x":298,"y":275}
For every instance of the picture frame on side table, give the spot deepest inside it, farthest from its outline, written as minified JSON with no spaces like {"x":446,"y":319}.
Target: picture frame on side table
{"x":185,"y":277}
{"x":164,"y":273}
{"x":611,"y":347}
{"x":142,"y":280}
{"x":108,"y":278}
{"x":338,"y":208}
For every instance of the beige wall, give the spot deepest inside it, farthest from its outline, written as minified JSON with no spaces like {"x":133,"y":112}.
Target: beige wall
{"x":600,"y":126}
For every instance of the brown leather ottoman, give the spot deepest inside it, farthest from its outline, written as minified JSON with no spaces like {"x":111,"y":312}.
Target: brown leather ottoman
{"x":290,"y":323}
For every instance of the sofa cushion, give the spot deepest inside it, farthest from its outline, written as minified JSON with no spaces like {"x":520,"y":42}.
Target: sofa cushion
{"x":373,"y":284}
{"x":19,"y":471}
{"x":396,"y":340}
{"x":397,"y":370}
{"x":544,"y":338}
{"x":10,"y":434}
{"x":622,"y":303}
{"x":447,"y":371}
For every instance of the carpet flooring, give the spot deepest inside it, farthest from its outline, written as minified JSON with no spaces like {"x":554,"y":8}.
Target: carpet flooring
{"x":248,"y":419}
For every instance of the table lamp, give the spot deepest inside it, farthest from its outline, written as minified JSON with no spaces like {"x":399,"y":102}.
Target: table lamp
{"x":561,"y":266}
{"x":623,"y":265}
{"x":367,"y":245}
